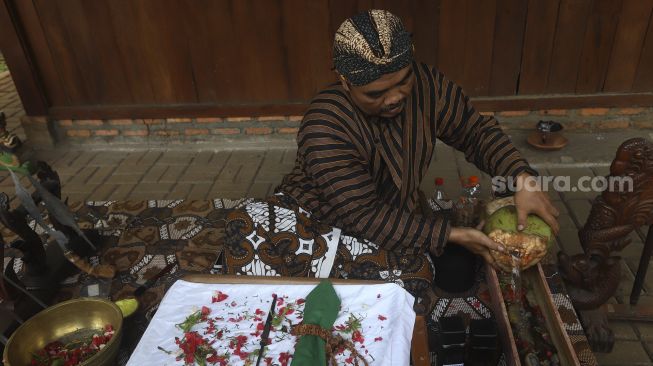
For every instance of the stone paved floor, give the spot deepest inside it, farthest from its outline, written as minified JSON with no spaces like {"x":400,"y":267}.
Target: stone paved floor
{"x":209,"y":171}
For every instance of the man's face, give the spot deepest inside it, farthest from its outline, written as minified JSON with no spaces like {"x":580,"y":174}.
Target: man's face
{"x":384,"y":97}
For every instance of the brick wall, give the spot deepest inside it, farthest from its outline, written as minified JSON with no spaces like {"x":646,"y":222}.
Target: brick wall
{"x":207,"y":129}
{"x":178,"y":129}
{"x":584,"y":119}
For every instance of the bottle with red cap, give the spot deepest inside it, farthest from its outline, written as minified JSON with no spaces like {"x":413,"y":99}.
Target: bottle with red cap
{"x":439,"y":201}
{"x":468,"y":204}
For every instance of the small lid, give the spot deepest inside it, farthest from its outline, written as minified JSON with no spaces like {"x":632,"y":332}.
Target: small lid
{"x":439,"y":181}
{"x":473,"y":180}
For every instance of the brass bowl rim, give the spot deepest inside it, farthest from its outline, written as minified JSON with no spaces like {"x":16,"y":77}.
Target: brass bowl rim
{"x":117,"y":328}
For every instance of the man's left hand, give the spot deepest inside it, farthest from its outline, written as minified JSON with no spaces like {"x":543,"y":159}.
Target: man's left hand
{"x":529,"y":199}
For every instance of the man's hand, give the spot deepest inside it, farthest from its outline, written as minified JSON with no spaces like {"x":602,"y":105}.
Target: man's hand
{"x":529,"y":199}
{"x":475,"y":241}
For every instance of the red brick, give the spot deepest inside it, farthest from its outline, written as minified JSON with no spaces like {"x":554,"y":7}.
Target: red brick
{"x":135,"y":132}
{"x":288,"y":130}
{"x":105,"y":132}
{"x":89,"y":122}
{"x":150,"y":121}
{"x":196,"y":131}
{"x":208,"y":120}
{"x":271,"y":118}
{"x":239,"y":119}
{"x":576,"y":125}
{"x":514,"y":113}
{"x":167,"y":133}
{"x":78,"y":133}
{"x":554,"y":112}
{"x":179,"y":120}
{"x":612,"y":124}
{"x":258,"y":131}
{"x":120,"y":122}
{"x":594,"y":111}
{"x":225,"y":131}
{"x":643,"y":124}
{"x":295,"y":118}
{"x":631,"y":111}
{"x":518,"y":125}
{"x":66,"y":122}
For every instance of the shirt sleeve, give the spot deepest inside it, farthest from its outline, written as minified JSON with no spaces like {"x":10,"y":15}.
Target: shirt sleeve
{"x":479,"y":137}
{"x":340,"y":173}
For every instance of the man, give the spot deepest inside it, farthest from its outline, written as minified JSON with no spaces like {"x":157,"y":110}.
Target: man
{"x":350,"y":206}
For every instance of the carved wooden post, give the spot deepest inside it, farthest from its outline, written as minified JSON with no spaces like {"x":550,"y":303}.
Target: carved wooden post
{"x":593,"y":276}
{"x":643,"y":267}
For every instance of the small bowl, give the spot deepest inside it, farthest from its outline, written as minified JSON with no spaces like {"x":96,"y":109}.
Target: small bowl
{"x":63,"y":319}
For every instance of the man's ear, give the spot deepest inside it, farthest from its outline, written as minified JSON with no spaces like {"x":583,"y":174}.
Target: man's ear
{"x":343,"y":81}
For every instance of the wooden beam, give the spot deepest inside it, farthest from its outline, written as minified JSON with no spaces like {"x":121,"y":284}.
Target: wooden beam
{"x":484,"y":104}
{"x":23,"y":70}
{"x":563,"y":101}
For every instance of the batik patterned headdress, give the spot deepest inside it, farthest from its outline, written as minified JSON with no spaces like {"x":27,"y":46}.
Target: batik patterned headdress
{"x":369,"y":45}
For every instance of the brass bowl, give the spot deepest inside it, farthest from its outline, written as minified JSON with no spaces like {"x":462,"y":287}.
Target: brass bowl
{"x":63,"y":319}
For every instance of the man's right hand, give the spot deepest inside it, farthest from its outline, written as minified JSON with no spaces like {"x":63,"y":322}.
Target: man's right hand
{"x":475,"y":241}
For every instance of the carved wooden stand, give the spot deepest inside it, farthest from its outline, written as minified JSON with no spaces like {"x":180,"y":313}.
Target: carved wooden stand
{"x":593,"y":276}
{"x":45,"y":267}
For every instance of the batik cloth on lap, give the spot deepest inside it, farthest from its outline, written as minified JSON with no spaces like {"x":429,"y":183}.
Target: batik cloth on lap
{"x":276,"y":237}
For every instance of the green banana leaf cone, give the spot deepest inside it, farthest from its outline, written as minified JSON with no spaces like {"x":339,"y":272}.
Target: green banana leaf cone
{"x":321,"y":308}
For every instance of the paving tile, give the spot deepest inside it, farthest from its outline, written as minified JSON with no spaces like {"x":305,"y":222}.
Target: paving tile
{"x":133,"y":158}
{"x":130,"y":169}
{"x":625,"y":353}
{"x":626,"y":285}
{"x":220,"y":158}
{"x":289,"y":156}
{"x":154,"y":174}
{"x":180,"y":191}
{"x":572,"y":177}
{"x":150,"y":157}
{"x":203,"y":158}
{"x":562,"y":208}
{"x":85,"y":157}
{"x":101,"y":175}
{"x":268,"y":177}
{"x":231,"y":194}
{"x":82,"y":176}
{"x":176,"y":158}
{"x":199,"y":191}
{"x":113,"y":158}
{"x":220,"y":187}
{"x":229,"y":172}
{"x":601,"y":170}
{"x":566,"y":222}
{"x":131,"y":179}
{"x":569,"y":242}
{"x":172,"y":174}
{"x":198,"y":175}
{"x":122,"y":192}
{"x":245,"y":157}
{"x":443,"y":153}
{"x":259,"y":190}
{"x":624,"y":331}
{"x":152,"y":188}
{"x":103,"y":192}
{"x":273,"y":157}
{"x":580,"y":210}
{"x":247,"y":173}
{"x":645,"y":331}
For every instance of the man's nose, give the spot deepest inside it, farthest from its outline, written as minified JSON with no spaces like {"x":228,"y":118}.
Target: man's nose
{"x":393,"y":98}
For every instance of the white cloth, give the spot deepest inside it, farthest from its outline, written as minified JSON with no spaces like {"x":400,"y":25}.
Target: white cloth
{"x":385,"y":310}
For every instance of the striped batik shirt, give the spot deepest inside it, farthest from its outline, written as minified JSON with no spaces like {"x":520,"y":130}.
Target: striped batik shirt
{"x":362,"y":173}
